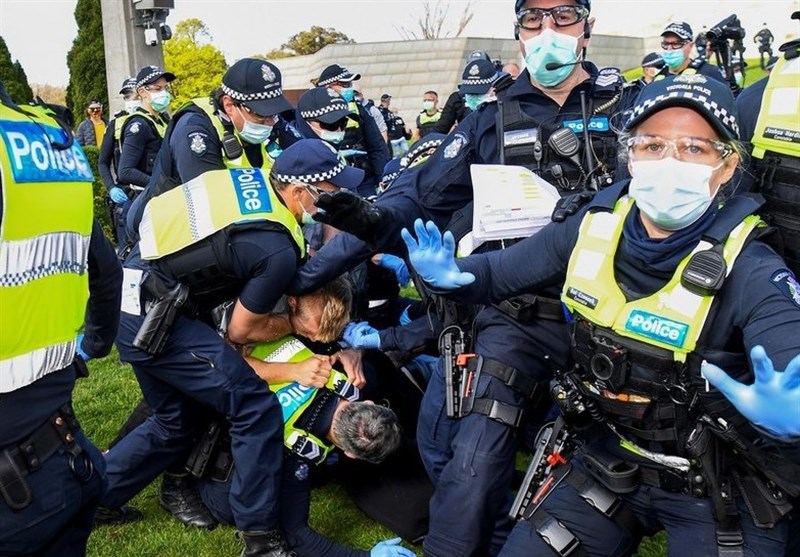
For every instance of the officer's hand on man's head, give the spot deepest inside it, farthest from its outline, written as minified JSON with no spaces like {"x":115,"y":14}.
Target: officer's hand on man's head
{"x":390,"y":548}
{"x":772,"y":402}
{"x":570,"y":204}
{"x":350,"y":213}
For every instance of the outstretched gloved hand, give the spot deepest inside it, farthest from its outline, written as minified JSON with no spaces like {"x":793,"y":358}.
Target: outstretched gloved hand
{"x":397,"y":265}
{"x":117,"y":195}
{"x":390,"y":548}
{"x":772,"y":402}
{"x":433,"y":256}
{"x":350,"y":213}
{"x":361,"y":335}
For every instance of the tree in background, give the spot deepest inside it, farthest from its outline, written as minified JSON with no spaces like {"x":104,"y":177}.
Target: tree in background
{"x":86,"y":59}
{"x":433,"y":23}
{"x":54,"y":94}
{"x":309,"y":42}
{"x":198,"y":66}
{"x":13,"y":76}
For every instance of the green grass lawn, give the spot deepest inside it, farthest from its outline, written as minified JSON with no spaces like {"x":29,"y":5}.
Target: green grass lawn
{"x":103,"y":402}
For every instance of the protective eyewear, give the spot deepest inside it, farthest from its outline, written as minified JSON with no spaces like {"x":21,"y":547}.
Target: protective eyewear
{"x":532,"y":19}
{"x":271,"y":119}
{"x":336,"y":126}
{"x":687,"y":149}
{"x":158,"y":88}
{"x":672,"y":45}
{"x":314,"y":191}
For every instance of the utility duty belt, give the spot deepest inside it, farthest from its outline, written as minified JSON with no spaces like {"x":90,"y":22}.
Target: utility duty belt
{"x":527,"y":307}
{"x":462,"y":372}
{"x":162,"y":307}
{"x":26,"y":457}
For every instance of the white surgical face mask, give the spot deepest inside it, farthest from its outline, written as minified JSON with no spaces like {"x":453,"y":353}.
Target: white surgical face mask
{"x":254,"y":133}
{"x":131,"y":106}
{"x":672,"y":193}
{"x":427,"y":105}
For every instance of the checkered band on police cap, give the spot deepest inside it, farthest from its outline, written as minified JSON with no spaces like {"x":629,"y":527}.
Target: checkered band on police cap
{"x":680,"y":28}
{"x":314,"y":157}
{"x":711,"y":98}
{"x":432,"y":140}
{"x":312,"y":178}
{"x":334,"y":73}
{"x":149,"y":74}
{"x":260,"y":96}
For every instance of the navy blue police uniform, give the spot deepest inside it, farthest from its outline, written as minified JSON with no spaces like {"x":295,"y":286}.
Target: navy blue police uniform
{"x":49,"y":471}
{"x":742,"y":318}
{"x":193,"y":144}
{"x":361,"y":133}
{"x":471,"y":459}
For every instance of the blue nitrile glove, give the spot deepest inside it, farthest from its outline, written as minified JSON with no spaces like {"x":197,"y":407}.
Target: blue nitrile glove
{"x":405,"y":318}
{"x":79,"y":348}
{"x":772,"y":402}
{"x":433,"y":256}
{"x":397,"y":265}
{"x":350,"y":153}
{"x":361,"y":335}
{"x":117,"y":195}
{"x":390,"y":548}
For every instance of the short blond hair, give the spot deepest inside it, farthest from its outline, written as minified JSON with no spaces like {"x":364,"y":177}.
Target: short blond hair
{"x":336,"y":299}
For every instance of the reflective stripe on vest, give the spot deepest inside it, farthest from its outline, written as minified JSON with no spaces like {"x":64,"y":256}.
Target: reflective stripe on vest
{"x":206,"y":105}
{"x":293,"y":397}
{"x":671,"y":318}
{"x":204,"y":205}
{"x":778,"y":127}
{"x":44,"y":241}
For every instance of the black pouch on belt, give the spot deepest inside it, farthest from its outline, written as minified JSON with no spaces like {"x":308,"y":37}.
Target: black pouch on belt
{"x":614,"y":473}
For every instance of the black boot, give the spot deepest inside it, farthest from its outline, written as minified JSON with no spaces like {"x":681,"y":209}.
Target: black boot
{"x":265,"y":544}
{"x":119,"y":515}
{"x":179,"y":496}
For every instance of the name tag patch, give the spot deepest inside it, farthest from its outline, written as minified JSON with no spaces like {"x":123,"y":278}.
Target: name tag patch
{"x":657,"y":328}
{"x":251,"y":190}
{"x":520,"y":137}
{"x":581,"y":297}
{"x":34,"y":160}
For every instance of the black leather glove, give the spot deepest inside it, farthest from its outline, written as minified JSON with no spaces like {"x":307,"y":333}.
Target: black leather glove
{"x":350,"y":213}
{"x":570,"y":204}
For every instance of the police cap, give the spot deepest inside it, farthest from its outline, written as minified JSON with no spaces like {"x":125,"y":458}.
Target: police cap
{"x":128,"y":84}
{"x":391,"y":170}
{"x":680,"y":28}
{"x":256,"y":84}
{"x":386,"y":97}
{"x":710,"y":98}
{"x":652,"y":60}
{"x":311,"y":161}
{"x":477,"y":78}
{"x":323,"y":104}
{"x":150,"y":74}
{"x":335,"y":73}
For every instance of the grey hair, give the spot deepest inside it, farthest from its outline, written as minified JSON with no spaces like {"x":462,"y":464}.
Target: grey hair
{"x":367,"y":431}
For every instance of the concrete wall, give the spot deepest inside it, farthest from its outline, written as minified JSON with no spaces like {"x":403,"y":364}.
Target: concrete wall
{"x":406,"y":69}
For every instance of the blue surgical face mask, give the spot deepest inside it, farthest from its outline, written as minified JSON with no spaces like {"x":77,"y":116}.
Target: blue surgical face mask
{"x":332,"y":137}
{"x":348,"y":94}
{"x":306,"y":218}
{"x":159,"y":100}
{"x":672,"y":193}
{"x":673,"y":58}
{"x":252,"y":132}
{"x":475,"y":101}
{"x":550,"y":47}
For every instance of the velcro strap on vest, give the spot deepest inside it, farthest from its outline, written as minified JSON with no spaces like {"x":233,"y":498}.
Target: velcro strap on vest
{"x":511,"y":376}
{"x":29,"y":455}
{"x":499,"y":411}
{"x":557,"y":536}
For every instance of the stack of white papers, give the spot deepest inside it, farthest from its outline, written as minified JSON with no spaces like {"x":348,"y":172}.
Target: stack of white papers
{"x":510,"y":202}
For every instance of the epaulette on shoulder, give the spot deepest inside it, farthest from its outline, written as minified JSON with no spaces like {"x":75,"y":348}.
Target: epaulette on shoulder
{"x":607,"y":83}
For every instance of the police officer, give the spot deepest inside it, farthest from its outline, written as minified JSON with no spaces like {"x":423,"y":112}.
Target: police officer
{"x":322,"y":112}
{"x":471,"y":459}
{"x":239,"y":127}
{"x":244,"y":242}
{"x":653,"y":445}
{"x":362,"y":146}
{"x":651,"y":64}
{"x":140,"y":133}
{"x":320,"y":411}
{"x":108,"y":161}
{"x":59,"y":276}
{"x":764,"y":39}
{"x":768,"y":123}
{"x":454,"y":110}
{"x":429,"y":115}
{"x":676,"y":49}
{"x":476,"y":83}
